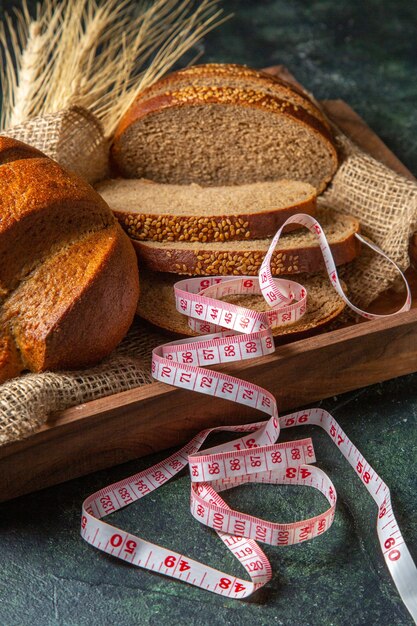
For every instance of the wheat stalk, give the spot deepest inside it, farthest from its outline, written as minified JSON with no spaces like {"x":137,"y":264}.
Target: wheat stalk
{"x":92,"y":53}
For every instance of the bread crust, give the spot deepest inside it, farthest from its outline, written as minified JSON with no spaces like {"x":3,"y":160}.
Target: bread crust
{"x":10,"y":362}
{"x":38,"y":197}
{"x":206,"y":228}
{"x":254,"y":77}
{"x":197,"y":96}
{"x":13,"y":150}
{"x":205,"y":262}
{"x":45,"y":213}
{"x":84,"y":328}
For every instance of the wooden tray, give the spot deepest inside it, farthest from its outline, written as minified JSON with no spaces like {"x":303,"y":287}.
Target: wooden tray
{"x":154,"y":417}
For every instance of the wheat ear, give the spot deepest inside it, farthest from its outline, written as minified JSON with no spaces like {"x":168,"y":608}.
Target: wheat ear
{"x":96,"y":54}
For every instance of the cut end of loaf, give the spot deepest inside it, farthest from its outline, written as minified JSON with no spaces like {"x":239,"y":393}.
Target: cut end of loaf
{"x":165,"y":212}
{"x":223,"y":136}
{"x":296,"y":252}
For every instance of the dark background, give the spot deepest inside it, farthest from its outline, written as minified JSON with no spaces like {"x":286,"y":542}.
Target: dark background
{"x":364,"y":52}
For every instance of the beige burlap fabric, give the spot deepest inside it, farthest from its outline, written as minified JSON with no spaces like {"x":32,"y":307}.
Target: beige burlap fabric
{"x":386,"y":206}
{"x":385,"y":203}
{"x":73,"y":137}
{"x":27,"y":401}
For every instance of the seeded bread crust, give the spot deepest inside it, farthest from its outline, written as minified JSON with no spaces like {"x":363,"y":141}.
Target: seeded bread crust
{"x":235,"y":258}
{"x":203,"y":226}
{"x":230,"y":72}
{"x":157,"y":305}
{"x":68,"y":273}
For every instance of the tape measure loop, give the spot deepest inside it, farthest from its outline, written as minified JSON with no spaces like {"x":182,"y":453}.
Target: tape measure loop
{"x":234,"y":333}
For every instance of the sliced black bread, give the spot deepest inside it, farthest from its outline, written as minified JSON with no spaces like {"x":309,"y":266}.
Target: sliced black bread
{"x":297,"y":252}
{"x":221,"y":133}
{"x":157,"y":305}
{"x":163,"y":212}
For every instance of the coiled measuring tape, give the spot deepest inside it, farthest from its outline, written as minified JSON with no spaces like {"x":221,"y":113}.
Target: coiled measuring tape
{"x":236,"y":333}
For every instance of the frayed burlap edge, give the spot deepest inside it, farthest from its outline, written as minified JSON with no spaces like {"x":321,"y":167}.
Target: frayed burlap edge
{"x":73,"y":137}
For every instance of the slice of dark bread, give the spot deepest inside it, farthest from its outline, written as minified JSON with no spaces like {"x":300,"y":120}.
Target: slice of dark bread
{"x":297,"y":252}
{"x":163,"y":212}
{"x":218,"y":133}
{"x":157,"y":305}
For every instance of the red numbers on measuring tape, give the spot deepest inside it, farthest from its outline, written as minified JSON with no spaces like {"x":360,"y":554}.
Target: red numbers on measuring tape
{"x":283,"y":537}
{"x":366,"y":477}
{"x":187,"y":357}
{"x":255,"y":566}
{"x":130,"y":546}
{"x":261,"y":533}
{"x":107,"y":504}
{"x":116,"y":541}
{"x":247,"y":394}
{"x":336,"y":437}
{"x":218,"y":519}
{"x":185,"y":377}
{"x":125,"y":495}
{"x":171,"y":561}
{"x":234,"y":465}
{"x":142,"y":487}
{"x":159,"y":477}
{"x":394,"y":554}
{"x":291,"y":472}
{"x":213,"y":468}
{"x":244,"y":322}
{"x":227,"y":387}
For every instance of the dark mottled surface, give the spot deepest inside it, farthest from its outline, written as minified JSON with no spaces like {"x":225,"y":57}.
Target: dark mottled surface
{"x":365,"y":52}
{"x":50,"y":577}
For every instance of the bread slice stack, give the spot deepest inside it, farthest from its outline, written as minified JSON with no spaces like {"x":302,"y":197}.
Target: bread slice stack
{"x":212,"y":160}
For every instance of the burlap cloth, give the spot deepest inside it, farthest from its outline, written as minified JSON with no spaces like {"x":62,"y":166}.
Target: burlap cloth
{"x":73,"y":137}
{"x":384,"y":202}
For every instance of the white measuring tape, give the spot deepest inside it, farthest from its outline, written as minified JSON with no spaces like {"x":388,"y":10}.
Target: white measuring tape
{"x":237,"y":333}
